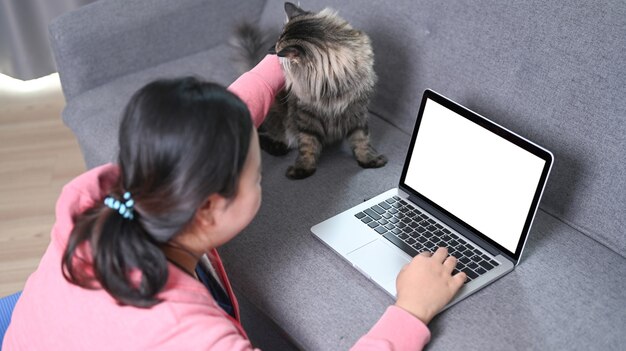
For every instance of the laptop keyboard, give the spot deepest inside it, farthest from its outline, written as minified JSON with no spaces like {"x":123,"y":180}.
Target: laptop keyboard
{"x":414,"y":231}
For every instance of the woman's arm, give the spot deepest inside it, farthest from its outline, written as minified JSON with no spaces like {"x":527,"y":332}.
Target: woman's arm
{"x":403,"y":326}
{"x":397,"y":329}
{"x":258,"y":87}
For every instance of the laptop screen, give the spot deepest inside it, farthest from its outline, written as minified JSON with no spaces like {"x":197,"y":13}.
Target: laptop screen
{"x":476,"y":171}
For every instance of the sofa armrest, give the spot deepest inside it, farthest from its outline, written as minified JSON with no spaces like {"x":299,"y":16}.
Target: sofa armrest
{"x":111,"y":38}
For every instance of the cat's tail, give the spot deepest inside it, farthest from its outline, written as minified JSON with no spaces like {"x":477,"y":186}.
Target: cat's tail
{"x":250,"y":44}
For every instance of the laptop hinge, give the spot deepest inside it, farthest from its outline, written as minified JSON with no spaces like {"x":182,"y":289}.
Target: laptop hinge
{"x":452,"y":224}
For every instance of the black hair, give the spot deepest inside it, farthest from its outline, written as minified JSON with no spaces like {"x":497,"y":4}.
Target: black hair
{"x":180,"y":140}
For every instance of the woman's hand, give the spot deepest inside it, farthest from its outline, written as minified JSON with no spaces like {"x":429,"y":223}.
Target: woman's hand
{"x":425,"y":285}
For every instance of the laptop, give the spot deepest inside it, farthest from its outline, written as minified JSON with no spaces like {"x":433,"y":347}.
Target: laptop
{"x":467,"y":184}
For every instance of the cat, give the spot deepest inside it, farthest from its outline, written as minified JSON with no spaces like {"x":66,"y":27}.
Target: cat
{"x":329,"y":80}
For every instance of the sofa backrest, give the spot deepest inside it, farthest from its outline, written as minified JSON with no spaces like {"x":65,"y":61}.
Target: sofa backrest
{"x":88,"y":50}
{"x":554,"y":72}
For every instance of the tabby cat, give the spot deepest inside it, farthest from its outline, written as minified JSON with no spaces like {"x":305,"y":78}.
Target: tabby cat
{"x":330,"y":79}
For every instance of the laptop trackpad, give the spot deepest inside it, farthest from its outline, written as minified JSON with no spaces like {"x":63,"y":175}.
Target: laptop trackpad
{"x":380,"y":261}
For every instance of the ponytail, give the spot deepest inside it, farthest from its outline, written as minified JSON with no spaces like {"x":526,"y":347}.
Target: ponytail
{"x":120,"y":257}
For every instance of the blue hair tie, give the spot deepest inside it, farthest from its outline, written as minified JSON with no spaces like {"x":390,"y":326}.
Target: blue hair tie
{"x":125,"y":209}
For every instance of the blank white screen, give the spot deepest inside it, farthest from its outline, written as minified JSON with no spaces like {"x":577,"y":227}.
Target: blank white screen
{"x":478,"y":176}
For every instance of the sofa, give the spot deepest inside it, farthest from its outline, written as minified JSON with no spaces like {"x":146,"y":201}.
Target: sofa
{"x":552,"y":71}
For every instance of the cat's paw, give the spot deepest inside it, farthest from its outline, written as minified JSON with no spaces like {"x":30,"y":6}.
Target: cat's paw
{"x":273,"y":147}
{"x":299,"y":173}
{"x":374,"y":162}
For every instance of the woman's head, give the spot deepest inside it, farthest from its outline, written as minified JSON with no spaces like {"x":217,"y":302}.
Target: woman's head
{"x":181,"y":141}
{"x":184,"y":146}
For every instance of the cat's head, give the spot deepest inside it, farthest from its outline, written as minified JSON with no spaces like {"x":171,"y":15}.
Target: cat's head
{"x":307,"y":37}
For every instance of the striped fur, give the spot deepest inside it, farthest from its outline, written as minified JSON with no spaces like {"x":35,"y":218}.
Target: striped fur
{"x":330,"y":79}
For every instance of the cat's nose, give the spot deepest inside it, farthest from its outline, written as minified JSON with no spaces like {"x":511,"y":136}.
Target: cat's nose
{"x":272,"y":50}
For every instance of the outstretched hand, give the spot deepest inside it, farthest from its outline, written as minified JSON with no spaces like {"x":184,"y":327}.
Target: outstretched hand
{"x":426,"y":284}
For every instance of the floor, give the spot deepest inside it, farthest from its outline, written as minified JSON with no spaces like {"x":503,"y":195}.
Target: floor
{"x":38,"y":155}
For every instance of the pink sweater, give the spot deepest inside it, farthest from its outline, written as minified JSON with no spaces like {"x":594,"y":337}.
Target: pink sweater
{"x":53,"y":314}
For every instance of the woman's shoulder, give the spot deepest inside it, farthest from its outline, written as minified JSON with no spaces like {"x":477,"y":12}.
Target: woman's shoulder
{"x":80,"y":194}
{"x":89,"y":186}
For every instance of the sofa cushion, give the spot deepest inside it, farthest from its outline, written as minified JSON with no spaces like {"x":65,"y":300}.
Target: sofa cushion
{"x":550,"y":71}
{"x":107,"y":39}
{"x":95,"y":115}
{"x":564,"y":294}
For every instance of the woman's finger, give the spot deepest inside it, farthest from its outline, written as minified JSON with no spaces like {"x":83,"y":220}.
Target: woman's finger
{"x":459,"y":279}
{"x":449,"y":264}
{"x":441,"y":254}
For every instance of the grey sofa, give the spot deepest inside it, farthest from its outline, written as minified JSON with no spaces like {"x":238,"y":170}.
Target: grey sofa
{"x":552,"y":71}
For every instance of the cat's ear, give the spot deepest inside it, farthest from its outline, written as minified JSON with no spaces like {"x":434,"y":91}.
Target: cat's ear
{"x":289,"y":52}
{"x":293,"y":10}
